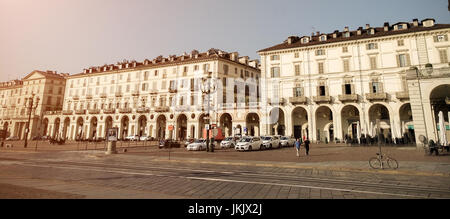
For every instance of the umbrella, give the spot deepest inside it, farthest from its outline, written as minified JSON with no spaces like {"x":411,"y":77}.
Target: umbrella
{"x":442,"y":129}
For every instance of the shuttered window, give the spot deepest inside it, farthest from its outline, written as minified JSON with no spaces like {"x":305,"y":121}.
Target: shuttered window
{"x":443,"y":56}
{"x":297,"y":69}
{"x":373,"y":62}
{"x":346,"y":64}
{"x":320,"y":67}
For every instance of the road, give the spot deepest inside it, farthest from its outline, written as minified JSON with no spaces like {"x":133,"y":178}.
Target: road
{"x":91,"y":174}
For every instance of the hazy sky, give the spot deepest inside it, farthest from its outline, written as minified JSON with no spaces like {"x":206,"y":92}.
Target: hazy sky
{"x":70,"y":35}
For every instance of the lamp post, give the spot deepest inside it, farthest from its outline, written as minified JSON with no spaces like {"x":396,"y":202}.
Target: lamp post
{"x":30,"y":109}
{"x":207,"y":88}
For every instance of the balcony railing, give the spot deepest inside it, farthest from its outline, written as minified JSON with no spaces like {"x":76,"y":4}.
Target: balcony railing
{"x":322,"y":99}
{"x":109,"y":111}
{"x":183,"y":108}
{"x":278,"y":101}
{"x":402,"y":95}
{"x":143,"y":110}
{"x":135,"y":93}
{"x":94,"y":111}
{"x":298,"y":100}
{"x":153,"y":91}
{"x":172,"y":90}
{"x":67,"y":112}
{"x":118,"y":94}
{"x":125,"y":110}
{"x":103,"y":95}
{"x":376,"y":96}
{"x":162,"y":109}
{"x":89,"y":96}
{"x":76,"y":97}
{"x":348,"y":98}
{"x":80,"y":112}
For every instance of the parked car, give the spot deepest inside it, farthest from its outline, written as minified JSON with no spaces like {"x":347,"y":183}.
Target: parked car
{"x":145,"y":138}
{"x":249,"y":144}
{"x":197,"y":145}
{"x":287,"y":141}
{"x":228,"y":142}
{"x":271,"y":142}
{"x":188,"y":141}
{"x":12,"y":138}
{"x":169,"y":143}
{"x":132,"y":138}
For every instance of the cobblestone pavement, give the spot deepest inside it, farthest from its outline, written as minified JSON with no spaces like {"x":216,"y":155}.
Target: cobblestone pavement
{"x":331,"y":171}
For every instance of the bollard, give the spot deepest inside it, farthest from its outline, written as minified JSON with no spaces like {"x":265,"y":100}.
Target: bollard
{"x":111,"y":148}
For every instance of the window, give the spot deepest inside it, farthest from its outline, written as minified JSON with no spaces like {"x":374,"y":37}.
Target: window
{"x":323,"y":38}
{"x":402,"y":60}
{"x":400,"y":26}
{"x":298,"y":91}
{"x":375,"y":87}
{"x":320,"y":52}
{"x":346,"y":64}
{"x":440,"y":38}
{"x":400,"y":43}
{"x":144,"y":87}
{"x":275,"y":72}
{"x":297,"y":69}
{"x":347,"y":34}
{"x":305,"y":40}
{"x":196,"y":68}
{"x":321,"y":69}
{"x":322,"y":90}
{"x":296,"y":55}
{"x":373,"y":63}
{"x":225,"y":69}
{"x":156,"y":72}
{"x":348,"y":89}
{"x":206,"y":67}
{"x":274,"y":57}
{"x":344,"y":49}
{"x":443,"y":56}
{"x":371,"y":46}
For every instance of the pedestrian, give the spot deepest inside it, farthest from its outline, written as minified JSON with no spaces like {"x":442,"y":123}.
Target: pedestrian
{"x":297,"y":146}
{"x":307,"y":142}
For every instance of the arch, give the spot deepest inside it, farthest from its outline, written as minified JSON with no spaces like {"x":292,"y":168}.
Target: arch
{"x":161,"y":123}
{"x":93,"y":128}
{"x":252,"y":122}
{"x":79,"y":133}
{"x":66,"y":128}
{"x":350,"y":122}
{"x":299,"y":118}
{"x":108,"y":124}
{"x":124,"y":125}
{"x":56,"y":125}
{"x":5,"y":128}
{"x":380,"y":112}
{"x":324,"y":116}
{"x":440,"y":108}
{"x":142,"y":126}
{"x":181,"y":133}
{"x":406,"y":124}
{"x":226,"y":123}
{"x":277,"y":121}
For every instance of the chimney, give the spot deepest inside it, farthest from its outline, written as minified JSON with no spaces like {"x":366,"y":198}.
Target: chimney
{"x":85,"y":71}
{"x":367,"y":26}
{"x":317,"y":33}
{"x":386,"y":26}
{"x":234,"y":56}
{"x":346,"y":29}
{"x":335,"y":34}
{"x":359,"y":31}
{"x":415,"y":22}
{"x":254,"y":63}
{"x":291,"y":39}
{"x":244,"y":60}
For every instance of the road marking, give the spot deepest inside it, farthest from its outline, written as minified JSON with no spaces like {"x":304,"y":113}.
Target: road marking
{"x":122,"y":171}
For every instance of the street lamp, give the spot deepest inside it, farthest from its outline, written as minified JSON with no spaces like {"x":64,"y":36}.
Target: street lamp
{"x":30,"y":109}
{"x":207,"y":87}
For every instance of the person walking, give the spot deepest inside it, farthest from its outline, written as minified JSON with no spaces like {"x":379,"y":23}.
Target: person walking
{"x":297,"y":146}
{"x":307,"y":142}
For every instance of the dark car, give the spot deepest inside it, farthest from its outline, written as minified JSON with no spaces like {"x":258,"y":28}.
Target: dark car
{"x":168,"y":143}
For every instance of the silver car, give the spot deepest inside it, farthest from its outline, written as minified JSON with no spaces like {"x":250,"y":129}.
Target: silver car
{"x":228,"y":142}
{"x":270,"y":142}
{"x":287,"y":141}
{"x":249,"y":144}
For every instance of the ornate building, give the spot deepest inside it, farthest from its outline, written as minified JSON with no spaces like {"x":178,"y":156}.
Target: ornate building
{"x":160,"y":98}
{"x":347,"y":83}
{"x":47,"y":89}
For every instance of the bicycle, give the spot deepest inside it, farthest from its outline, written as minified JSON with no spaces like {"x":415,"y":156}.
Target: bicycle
{"x":377,"y":162}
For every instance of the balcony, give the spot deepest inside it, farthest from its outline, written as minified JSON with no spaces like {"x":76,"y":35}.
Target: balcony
{"x":162,"y":109}
{"x":183,"y":108}
{"x":103,"y":95}
{"x":135,"y":93}
{"x":89,"y":96}
{"x":118,"y":94}
{"x":67,"y":112}
{"x":125,"y":110}
{"x":153,"y":91}
{"x":143,"y":110}
{"x":80,"y":112}
{"x":348,"y":98}
{"x":322,"y":99}
{"x":298,"y":100}
{"x":172,"y":90}
{"x":76,"y":97}
{"x":276,"y":101}
{"x":402,"y":95}
{"x":94,"y":111}
{"x":376,"y":96}
{"x":109,"y":111}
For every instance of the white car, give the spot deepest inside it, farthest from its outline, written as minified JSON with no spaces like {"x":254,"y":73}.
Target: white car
{"x":12,"y":138}
{"x":271,"y":142}
{"x":197,"y":145}
{"x":132,"y":138}
{"x":144,"y":138}
{"x":249,"y":144}
{"x":228,"y":142}
{"x":287,"y":141}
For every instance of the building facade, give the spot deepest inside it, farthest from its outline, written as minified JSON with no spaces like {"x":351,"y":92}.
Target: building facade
{"x":159,"y":98}
{"x":46,"y":88}
{"x":347,"y":83}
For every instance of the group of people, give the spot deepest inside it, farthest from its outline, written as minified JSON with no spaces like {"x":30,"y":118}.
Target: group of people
{"x":299,"y":143}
